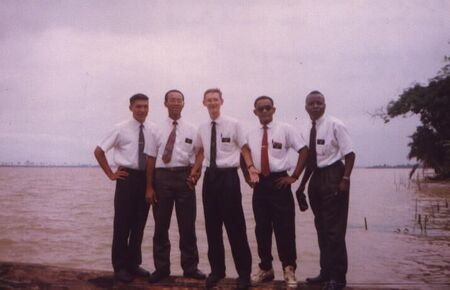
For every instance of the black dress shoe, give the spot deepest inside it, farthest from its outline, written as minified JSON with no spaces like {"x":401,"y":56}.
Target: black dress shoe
{"x":157,"y":276}
{"x":243,"y":283}
{"x":139,"y":272}
{"x":213,"y":279}
{"x":318,"y":279}
{"x":334,"y":285}
{"x":123,"y":276}
{"x":196,"y":274}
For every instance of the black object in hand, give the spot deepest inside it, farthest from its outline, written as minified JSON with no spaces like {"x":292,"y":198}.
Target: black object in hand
{"x":301,"y":199}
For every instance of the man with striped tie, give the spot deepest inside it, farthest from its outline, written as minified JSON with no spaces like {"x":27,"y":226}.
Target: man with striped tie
{"x":127,"y":139}
{"x":169,"y":183}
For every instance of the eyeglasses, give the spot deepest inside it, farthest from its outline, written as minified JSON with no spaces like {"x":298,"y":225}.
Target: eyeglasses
{"x":264,"y":108}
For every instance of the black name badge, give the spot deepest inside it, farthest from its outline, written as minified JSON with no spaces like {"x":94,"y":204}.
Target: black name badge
{"x":226,"y":139}
{"x":187,"y":140}
{"x":320,"y":141}
{"x":277,"y":145}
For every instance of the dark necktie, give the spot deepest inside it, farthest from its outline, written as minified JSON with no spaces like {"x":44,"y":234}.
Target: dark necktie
{"x":167,"y":155}
{"x":213,"y":152}
{"x":141,"y":155}
{"x":265,"y":169}
{"x":312,"y":156}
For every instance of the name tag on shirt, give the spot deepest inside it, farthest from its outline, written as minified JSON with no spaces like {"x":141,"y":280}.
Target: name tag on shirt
{"x":277,"y":145}
{"x":226,"y":139}
{"x":320,"y":141}
{"x":187,"y":140}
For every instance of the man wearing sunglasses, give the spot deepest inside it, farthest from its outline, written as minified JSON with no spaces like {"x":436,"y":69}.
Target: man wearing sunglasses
{"x":273,"y":202}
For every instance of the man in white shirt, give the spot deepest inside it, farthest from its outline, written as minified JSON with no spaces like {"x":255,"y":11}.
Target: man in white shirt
{"x":328,"y":189}
{"x":172,"y":153}
{"x":221,"y":140}
{"x":127,"y":139}
{"x":273,"y":202}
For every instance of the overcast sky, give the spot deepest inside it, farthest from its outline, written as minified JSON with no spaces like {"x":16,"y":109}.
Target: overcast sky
{"x":68,"y":68}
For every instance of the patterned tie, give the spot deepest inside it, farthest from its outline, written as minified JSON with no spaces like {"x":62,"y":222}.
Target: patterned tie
{"x":141,"y":155}
{"x":213,"y":152}
{"x":167,"y":155}
{"x":265,"y":169}
{"x":312,"y":157}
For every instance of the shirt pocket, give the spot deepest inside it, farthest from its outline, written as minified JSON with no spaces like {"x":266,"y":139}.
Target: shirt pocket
{"x":322,"y":146}
{"x":277,"y":148}
{"x":227,"y":142}
{"x":187,"y":144}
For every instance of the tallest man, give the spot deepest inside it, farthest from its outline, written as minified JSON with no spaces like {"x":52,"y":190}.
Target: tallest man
{"x":222,"y":139}
{"x":328,"y":189}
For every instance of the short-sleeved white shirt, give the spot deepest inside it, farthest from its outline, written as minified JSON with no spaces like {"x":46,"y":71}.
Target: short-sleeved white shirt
{"x":333,"y":140}
{"x":281,"y":137}
{"x":230,"y":140}
{"x":184,"y":148}
{"x":124,"y":139}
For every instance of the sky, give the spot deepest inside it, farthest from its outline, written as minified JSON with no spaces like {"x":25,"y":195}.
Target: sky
{"x":68,"y":68}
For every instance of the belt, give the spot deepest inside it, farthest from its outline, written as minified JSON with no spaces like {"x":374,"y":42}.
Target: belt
{"x":335,"y":164}
{"x":274,"y":174}
{"x":131,"y":170}
{"x":226,"y":169}
{"x":174,"y":169}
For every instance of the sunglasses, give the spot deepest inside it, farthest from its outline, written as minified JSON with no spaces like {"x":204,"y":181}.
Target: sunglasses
{"x":264,"y":108}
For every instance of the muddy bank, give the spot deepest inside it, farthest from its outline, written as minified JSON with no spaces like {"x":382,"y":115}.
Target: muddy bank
{"x":35,"y":276}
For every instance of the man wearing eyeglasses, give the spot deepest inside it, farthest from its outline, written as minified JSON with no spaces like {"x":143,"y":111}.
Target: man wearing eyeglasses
{"x":273,"y":202}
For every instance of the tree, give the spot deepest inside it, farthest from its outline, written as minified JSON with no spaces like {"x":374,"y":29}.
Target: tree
{"x":431,"y":142}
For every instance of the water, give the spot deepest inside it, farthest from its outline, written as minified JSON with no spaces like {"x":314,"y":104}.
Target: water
{"x":63,"y":216}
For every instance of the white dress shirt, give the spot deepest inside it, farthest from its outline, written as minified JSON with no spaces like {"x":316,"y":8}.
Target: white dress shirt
{"x":183,"y":153}
{"x":333,"y":140}
{"x":124,"y":139}
{"x":230,"y":140}
{"x":281,"y":137}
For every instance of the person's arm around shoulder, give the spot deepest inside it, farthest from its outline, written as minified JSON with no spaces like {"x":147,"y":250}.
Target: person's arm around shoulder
{"x":100,"y":156}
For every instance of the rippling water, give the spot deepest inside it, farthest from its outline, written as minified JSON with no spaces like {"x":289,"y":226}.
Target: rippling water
{"x":63,"y":216}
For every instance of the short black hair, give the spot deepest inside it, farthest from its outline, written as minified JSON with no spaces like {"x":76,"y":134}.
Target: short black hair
{"x":213,"y":90}
{"x":138,"y":97}
{"x":263,"y":98}
{"x":315,"y":92}
{"x":172,"y":91}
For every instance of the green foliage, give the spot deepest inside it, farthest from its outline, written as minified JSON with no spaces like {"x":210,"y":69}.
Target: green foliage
{"x":431,"y":142}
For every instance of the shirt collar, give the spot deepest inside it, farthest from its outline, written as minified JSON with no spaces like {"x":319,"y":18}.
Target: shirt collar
{"x":170,"y":121}
{"x":218,"y":120}
{"x":320,"y":120}
{"x":269,"y":125}
{"x":136,"y":123}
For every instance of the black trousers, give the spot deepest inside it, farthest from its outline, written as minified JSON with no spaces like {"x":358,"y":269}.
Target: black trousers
{"x":171,"y":189}
{"x":130,"y":216}
{"x":222,"y":203}
{"x":330,"y":208}
{"x":274,"y":211}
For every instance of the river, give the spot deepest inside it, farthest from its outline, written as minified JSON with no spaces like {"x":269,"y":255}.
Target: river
{"x":63,"y":216}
